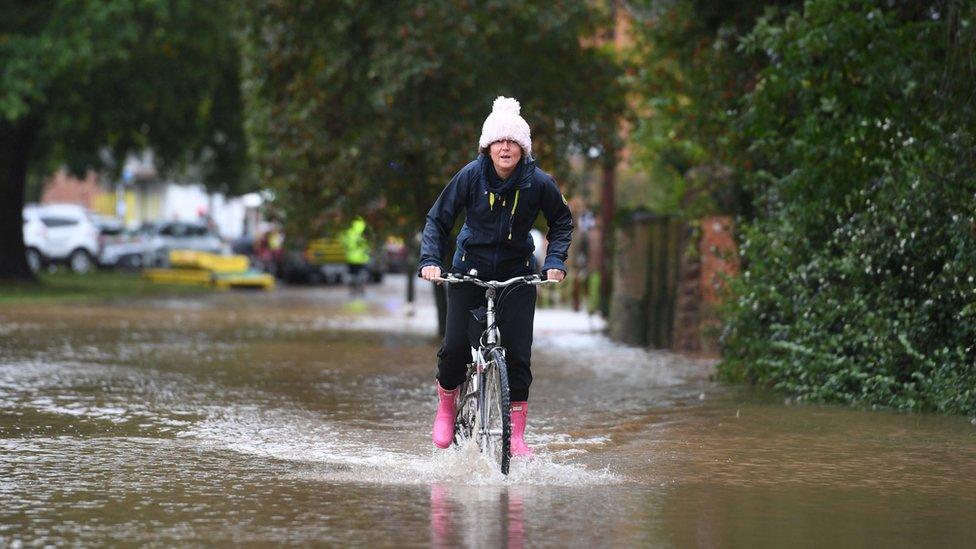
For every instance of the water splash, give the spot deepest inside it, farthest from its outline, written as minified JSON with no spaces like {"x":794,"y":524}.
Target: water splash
{"x":336,"y":452}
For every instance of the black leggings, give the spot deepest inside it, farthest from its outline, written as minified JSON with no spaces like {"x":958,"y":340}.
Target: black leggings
{"x":514,"y":314}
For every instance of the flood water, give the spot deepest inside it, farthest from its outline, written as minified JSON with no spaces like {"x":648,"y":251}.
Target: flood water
{"x":301,"y":417}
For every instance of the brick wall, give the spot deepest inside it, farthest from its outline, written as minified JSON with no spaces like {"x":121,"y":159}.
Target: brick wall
{"x":64,"y":188}
{"x":719,"y":262}
{"x":719,"y":256}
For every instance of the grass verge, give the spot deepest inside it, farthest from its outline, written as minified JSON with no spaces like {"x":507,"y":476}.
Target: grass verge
{"x":98,"y":286}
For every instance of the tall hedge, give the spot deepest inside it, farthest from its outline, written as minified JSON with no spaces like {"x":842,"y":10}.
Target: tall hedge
{"x":860,"y":267}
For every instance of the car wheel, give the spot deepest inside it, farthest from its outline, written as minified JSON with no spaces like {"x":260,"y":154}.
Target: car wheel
{"x":315,"y":277}
{"x":131,"y":262}
{"x":162,"y":259}
{"x":34,"y":260}
{"x":81,"y":262}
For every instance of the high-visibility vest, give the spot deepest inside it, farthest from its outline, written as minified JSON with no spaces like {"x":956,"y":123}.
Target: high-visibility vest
{"x":356,"y":245}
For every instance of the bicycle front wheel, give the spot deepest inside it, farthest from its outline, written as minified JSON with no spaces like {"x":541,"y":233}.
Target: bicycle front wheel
{"x":495,"y":439}
{"x":466,"y":420}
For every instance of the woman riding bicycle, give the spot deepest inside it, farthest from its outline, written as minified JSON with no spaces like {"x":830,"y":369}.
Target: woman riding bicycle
{"x":503,"y":192}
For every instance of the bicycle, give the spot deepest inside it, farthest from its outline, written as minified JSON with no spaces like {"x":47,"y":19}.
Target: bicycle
{"x":483,"y":404}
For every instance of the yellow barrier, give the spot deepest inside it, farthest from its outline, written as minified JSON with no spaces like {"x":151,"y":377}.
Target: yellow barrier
{"x":203,"y":269}
{"x":188,"y":259}
{"x":244,"y":280}
{"x":179,"y":276}
{"x":326,"y":250}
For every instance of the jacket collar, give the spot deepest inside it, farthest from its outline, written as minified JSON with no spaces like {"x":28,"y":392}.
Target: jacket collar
{"x":528,"y":171}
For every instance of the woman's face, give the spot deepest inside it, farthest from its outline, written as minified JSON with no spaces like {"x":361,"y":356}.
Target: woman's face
{"x":505,"y":154}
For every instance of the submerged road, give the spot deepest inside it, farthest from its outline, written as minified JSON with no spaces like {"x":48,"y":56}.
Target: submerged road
{"x":301,"y":416}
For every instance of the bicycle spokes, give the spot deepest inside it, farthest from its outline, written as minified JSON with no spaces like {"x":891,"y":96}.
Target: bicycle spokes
{"x":490,"y":427}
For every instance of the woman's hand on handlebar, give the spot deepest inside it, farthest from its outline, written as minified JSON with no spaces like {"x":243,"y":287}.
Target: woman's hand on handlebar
{"x":555,"y":274}
{"x":430,"y":272}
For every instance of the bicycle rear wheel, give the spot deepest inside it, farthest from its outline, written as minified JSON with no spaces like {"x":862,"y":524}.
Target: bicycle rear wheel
{"x":495,"y":437}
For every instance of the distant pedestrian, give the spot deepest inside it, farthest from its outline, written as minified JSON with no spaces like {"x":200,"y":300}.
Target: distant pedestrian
{"x":357,"y":255}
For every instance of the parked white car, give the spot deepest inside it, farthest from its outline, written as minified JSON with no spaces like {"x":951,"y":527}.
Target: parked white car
{"x":60,"y":233}
{"x":35,"y":234}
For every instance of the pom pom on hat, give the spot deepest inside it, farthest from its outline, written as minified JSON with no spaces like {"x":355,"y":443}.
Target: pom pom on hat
{"x":506,"y":104}
{"x":504,"y":122}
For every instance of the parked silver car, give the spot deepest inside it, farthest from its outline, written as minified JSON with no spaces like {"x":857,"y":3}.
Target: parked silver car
{"x":126,"y":250}
{"x":179,"y":235}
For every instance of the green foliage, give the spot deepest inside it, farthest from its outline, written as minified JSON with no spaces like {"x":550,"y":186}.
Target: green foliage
{"x":860,"y":277}
{"x":121,"y":76}
{"x":690,"y":78}
{"x":357,"y":105}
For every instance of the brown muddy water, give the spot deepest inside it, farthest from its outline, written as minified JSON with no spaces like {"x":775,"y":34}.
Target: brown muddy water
{"x":301,"y":417}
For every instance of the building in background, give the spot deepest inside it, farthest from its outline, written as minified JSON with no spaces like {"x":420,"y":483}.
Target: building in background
{"x":142,"y":196}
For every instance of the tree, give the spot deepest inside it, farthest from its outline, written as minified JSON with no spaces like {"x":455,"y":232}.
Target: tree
{"x":691,"y":77}
{"x":352,"y":105}
{"x":84,"y":83}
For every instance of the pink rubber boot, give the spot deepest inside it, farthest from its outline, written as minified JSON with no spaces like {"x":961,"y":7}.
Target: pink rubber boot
{"x":519,"y":448}
{"x":443,"y":434}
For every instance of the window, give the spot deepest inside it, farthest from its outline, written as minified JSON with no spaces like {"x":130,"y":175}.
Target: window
{"x":58,"y":221}
{"x":173,"y":229}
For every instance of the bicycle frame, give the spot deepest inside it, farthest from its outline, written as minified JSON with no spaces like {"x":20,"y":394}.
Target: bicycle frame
{"x":491,"y":287}
{"x":476,"y":383}
{"x":490,"y":317}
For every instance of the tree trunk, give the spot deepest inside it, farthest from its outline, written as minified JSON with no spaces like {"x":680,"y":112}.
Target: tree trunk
{"x":410,"y":268}
{"x":440,"y":297}
{"x":417,"y":171}
{"x":440,"y":293}
{"x":16,"y":141}
{"x":607,"y":210}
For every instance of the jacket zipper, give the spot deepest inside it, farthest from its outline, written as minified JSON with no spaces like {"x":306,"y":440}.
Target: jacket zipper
{"x":511,"y":223}
{"x":498,"y":234}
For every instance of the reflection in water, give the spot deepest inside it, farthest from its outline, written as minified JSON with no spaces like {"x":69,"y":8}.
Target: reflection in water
{"x":288,"y":418}
{"x":516,"y":527}
{"x":441,"y":517}
{"x":477,"y":516}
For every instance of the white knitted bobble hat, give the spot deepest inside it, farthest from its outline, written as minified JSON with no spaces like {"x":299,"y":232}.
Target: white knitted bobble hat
{"x":504,"y":122}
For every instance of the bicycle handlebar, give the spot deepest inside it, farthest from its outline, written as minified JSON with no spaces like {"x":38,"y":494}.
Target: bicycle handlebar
{"x":532,"y":280}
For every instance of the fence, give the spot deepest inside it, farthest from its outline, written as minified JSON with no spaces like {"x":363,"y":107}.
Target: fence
{"x":668,"y":279}
{"x":645,"y":279}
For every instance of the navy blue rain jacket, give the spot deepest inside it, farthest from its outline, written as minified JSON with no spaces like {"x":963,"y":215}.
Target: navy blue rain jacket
{"x":495,"y":237}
